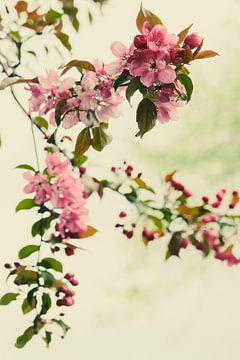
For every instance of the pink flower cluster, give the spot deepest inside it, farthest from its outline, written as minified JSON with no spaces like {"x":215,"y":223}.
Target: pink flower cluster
{"x":154,"y":57}
{"x":91,"y":102}
{"x":64,"y":192}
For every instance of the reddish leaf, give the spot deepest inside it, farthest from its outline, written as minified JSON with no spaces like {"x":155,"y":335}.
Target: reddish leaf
{"x":79,"y":64}
{"x":146,"y":15}
{"x":205,"y":54}
{"x":183,"y":34}
{"x":89,"y":232}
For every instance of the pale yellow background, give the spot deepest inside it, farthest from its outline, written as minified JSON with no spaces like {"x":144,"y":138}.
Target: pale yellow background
{"x":131,"y":305}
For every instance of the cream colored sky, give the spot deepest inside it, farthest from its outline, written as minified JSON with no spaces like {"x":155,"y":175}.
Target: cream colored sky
{"x":130,"y":304}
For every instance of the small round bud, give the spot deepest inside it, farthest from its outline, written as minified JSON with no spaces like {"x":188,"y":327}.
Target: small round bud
{"x":69,"y":251}
{"x":74,"y":282}
{"x":7,"y":266}
{"x":122,"y":214}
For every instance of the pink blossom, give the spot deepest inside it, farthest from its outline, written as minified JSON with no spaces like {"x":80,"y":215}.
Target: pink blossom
{"x":67,"y":191}
{"x":193,"y":40}
{"x":227,"y":256}
{"x":158,"y":39}
{"x":210,"y":217}
{"x":55,"y":166}
{"x":38,"y":184}
{"x":152,"y":67}
{"x":72,"y":222}
{"x":211,"y":236}
{"x":122,"y":53}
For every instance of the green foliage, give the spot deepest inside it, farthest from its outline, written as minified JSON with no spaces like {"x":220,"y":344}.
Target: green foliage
{"x":71,"y":11}
{"x":52,"y":16}
{"x":46,"y":303}
{"x":25,"y":338}
{"x":48,"y":278}
{"x":51,"y":263}
{"x":26,"y":167}
{"x":40,"y":121}
{"x":28,"y":306}
{"x":146,"y":116}
{"x":121,"y":81}
{"x":134,"y":85}
{"x":26,"y":204}
{"x":187,"y":83}
{"x":26,"y":277}
{"x":82,"y":144}
{"x":64,"y":39}
{"x":100,"y":137}
{"x":58,"y":110}
{"x":42,"y":225}
{"x":27,"y":251}
{"x":8,"y":298}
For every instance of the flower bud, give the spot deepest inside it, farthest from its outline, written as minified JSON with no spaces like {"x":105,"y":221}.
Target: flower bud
{"x":69,"y":251}
{"x":7,"y":266}
{"x":74,"y":282}
{"x":193,"y":40}
{"x":122,"y":214}
{"x":140,"y":42}
{"x":69,"y":276}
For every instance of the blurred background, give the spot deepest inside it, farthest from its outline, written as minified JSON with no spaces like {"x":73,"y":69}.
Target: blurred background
{"x":130,"y":303}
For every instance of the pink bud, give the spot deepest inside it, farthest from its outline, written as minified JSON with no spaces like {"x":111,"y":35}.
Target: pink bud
{"x":113,"y":169}
{"x":193,"y":40}
{"x":140,"y":42}
{"x":184,"y":243}
{"x":205,"y":199}
{"x":122,"y":214}
{"x":7,"y":266}
{"x":68,"y":301}
{"x":211,"y":235}
{"x":207,"y":218}
{"x":69,"y":276}
{"x":64,"y":289}
{"x":216,"y":204}
{"x":128,"y":233}
{"x":69,"y":251}
{"x":74,"y":282}
{"x":187,"y":193}
{"x":82,"y":170}
{"x":221,"y":194}
{"x":148,"y":234}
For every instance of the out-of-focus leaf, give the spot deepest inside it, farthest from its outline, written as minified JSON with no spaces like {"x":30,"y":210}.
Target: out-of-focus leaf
{"x":80,"y":65}
{"x":89,"y":232}
{"x":100,"y":137}
{"x":72,"y":11}
{"x":63,"y":325}
{"x":46,"y":303}
{"x":26,"y":277}
{"x":82,"y":144}
{"x":25,"y":338}
{"x":40,"y":121}
{"x":64,"y":39}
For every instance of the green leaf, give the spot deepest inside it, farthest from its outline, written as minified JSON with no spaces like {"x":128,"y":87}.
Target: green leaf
{"x":7,"y":298}
{"x":100,"y":137}
{"x":42,"y":225}
{"x":27,"y":251}
{"x":146,"y":116}
{"x":82,"y":144}
{"x":26,"y":167}
{"x":174,"y":245}
{"x":58,"y":110}
{"x":40,"y":121}
{"x":156,"y":221}
{"x":134,"y":85}
{"x":81,"y":160}
{"x":46,"y":303}
{"x":29,"y":306}
{"x":48,"y":279}
{"x":26,"y":277}
{"x":26,"y":204}
{"x":52,"y":16}
{"x":64,"y":38}
{"x":121,"y":80}
{"x":48,"y":337}
{"x":51,"y":263}
{"x":187,"y":83}
{"x":25,"y":338}
{"x":51,"y":139}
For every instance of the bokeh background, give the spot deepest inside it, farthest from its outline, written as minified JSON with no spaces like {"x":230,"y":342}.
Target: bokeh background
{"x":130,"y":303}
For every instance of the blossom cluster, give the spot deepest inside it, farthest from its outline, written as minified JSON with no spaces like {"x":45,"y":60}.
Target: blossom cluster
{"x":92,"y":102}
{"x":60,"y":190}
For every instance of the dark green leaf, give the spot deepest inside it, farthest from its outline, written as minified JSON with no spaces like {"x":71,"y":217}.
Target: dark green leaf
{"x":134,"y":85}
{"x":26,"y":167}
{"x":48,"y":279}
{"x":42,"y":225}
{"x":48,"y":337}
{"x":51,"y":263}
{"x":174,"y":245}
{"x":156,"y":221}
{"x":7,"y":298}
{"x":146,"y":116}
{"x":187,"y":83}
{"x":100,"y":137}
{"x":82,"y":144}
{"x":58,"y":110}
{"x":25,"y":338}
{"x":27,"y":251}
{"x":51,"y":139}
{"x":26,"y":204}
{"x":46,"y":303}
{"x":122,"y":80}
{"x":64,"y":38}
